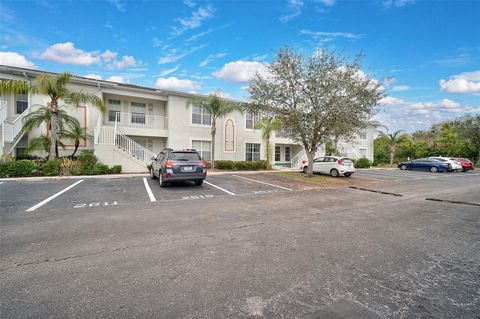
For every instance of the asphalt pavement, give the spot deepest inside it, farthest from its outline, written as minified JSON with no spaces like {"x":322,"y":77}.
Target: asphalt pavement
{"x":242,"y":246}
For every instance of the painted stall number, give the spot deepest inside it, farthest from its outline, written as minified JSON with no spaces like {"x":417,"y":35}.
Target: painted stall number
{"x":95,"y":204}
{"x":266,"y":191}
{"x":197,"y":196}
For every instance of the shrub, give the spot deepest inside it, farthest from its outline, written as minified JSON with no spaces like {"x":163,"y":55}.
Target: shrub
{"x":116,"y":169}
{"x":362,"y":163}
{"x":20,"y":168}
{"x":69,"y":167}
{"x":87,"y":162}
{"x":100,"y":169}
{"x":222,"y":164}
{"x":51,"y":167}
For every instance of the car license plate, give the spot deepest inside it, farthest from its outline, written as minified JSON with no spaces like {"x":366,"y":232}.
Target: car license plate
{"x":187,"y":168}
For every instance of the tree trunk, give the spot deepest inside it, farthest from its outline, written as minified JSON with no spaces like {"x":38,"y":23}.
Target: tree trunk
{"x":53,"y":133}
{"x":77,"y":143}
{"x":214,"y":131}
{"x":392,"y":154}
{"x":310,"y":155}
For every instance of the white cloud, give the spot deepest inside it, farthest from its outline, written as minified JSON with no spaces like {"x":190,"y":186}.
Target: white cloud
{"x":189,"y":3}
{"x":327,"y":2}
{"x":67,"y":53}
{"x":93,"y":76}
{"x":126,"y":61}
{"x":195,"y":21}
{"x":174,"y":56}
{"x":120,"y":5}
{"x":211,"y":58}
{"x":397,"y":3}
{"x":295,"y":7}
{"x":177,"y":84}
{"x":116,"y":78}
{"x":399,"y":88}
{"x":329,"y":36}
{"x":241,"y":71}
{"x":15,"y":59}
{"x":467,"y":82}
{"x":169,"y":71}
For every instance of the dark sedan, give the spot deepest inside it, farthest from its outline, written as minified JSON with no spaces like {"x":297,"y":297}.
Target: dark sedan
{"x":425,"y":164}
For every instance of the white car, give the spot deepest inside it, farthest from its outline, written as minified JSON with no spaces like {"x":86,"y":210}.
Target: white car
{"x":332,"y":165}
{"x":455,"y":166}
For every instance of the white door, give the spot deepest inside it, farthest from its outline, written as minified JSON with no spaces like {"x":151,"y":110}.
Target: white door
{"x":317,"y":164}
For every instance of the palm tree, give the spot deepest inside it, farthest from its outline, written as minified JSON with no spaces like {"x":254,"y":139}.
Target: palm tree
{"x":56,"y":87}
{"x":76,"y":133}
{"x":268,"y":125}
{"x":393,"y":140}
{"x":41,"y":143}
{"x":218,"y":108}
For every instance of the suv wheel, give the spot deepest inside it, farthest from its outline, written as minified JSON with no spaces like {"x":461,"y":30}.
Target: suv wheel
{"x":305,"y":169}
{"x":433,"y":169}
{"x":160,"y":180}
{"x":403,"y":167}
{"x":199,"y":182}
{"x":152,"y":174}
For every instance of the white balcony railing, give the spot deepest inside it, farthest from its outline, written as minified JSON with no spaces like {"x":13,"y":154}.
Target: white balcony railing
{"x":140,"y":120}
{"x":3,"y":111}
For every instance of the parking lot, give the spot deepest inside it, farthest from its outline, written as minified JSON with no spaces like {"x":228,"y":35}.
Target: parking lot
{"x":383,"y":243}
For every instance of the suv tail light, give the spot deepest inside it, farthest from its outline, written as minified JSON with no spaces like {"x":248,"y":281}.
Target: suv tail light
{"x":203,"y":164}
{"x":304,"y":162}
{"x":340,"y":162}
{"x":169,"y":164}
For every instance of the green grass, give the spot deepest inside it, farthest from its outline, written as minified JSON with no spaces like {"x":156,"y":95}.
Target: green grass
{"x":385,"y":165}
{"x":315,"y":179}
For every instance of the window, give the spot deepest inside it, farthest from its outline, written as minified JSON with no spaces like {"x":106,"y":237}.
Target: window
{"x":287,"y":154}
{"x":363,"y":134}
{"x":250,"y":121}
{"x":21,"y":103}
{"x":363,"y":152}
{"x":277,"y":154}
{"x":229,"y":136}
{"x":114,"y":108}
{"x":204,"y":148}
{"x":200,"y":115}
{"x":138,"y":112}
{"x":252,"y":152}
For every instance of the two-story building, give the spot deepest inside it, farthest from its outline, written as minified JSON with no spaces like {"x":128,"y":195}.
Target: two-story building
{"x":141,"y":121}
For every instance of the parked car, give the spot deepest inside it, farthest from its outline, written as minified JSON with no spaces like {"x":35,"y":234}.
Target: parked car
{"x":332,"y":165}
{"x":425,"y":164}
{"x":178,"y":165}
{"x":465,"y":162}
{"x":455,"y":166}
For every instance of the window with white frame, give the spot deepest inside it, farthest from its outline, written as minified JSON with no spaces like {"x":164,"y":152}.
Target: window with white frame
{"x":363,"y":134}
{"x":204,"y":148}
{"x":138,"y":111}
{"x":288,"y":153}
{"x":252,"y":152}
{"x":277,"y":154}
{"x":363,"y":152}
{"x":200,"y":115}
{"x":114,"y":108}
{"x":21,"y":103}
{"x":251,"y":120}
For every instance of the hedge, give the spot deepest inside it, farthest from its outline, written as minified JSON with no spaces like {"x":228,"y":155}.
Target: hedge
{"x":362,"y":163}
{"x":241,"y":165}
{"x":85,"y":164}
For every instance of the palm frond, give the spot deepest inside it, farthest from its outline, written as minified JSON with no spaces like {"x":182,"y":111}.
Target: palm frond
{"x":14,"y":86}
{"x":79,"y":97}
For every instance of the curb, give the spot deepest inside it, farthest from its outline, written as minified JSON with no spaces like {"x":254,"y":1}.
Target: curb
{"x":132,"y":175}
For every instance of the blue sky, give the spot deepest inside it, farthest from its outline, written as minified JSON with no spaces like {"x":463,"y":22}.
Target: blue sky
{"x":426,"y":53}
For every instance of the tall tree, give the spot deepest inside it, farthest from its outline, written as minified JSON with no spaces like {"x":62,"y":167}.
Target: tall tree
{"x":268,"y":125}
{"x":57,"y":89}
{"x":315,"y":97}
{"x":217,"y":108}
{"x":393,"y":141}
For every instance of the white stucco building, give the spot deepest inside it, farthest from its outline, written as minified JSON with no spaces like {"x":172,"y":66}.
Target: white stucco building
{"x":141,"y":121}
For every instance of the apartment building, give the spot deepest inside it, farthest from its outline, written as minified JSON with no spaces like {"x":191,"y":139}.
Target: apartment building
{"x":141,"y":121}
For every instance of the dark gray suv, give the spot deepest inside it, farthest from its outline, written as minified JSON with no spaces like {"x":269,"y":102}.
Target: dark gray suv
{"x":178,"y":165}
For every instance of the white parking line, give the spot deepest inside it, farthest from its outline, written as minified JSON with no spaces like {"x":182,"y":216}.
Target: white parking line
{"x":222,"y":189}
{"x":149,"y":190}
{"x":249,"y":179}
{"x":31,"y":209}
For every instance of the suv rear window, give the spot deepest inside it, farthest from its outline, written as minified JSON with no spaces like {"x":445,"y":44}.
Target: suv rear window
{"x":184,"y":156}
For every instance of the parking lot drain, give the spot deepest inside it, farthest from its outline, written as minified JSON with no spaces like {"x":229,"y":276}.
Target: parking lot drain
{"x":374,"y":191}
{"x":452,"y":201}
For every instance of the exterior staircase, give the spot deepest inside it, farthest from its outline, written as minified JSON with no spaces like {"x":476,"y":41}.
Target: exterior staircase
{"x":11,"y":128}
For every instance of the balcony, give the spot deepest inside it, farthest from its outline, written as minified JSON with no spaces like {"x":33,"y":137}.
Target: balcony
{"x":138,"y":123}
